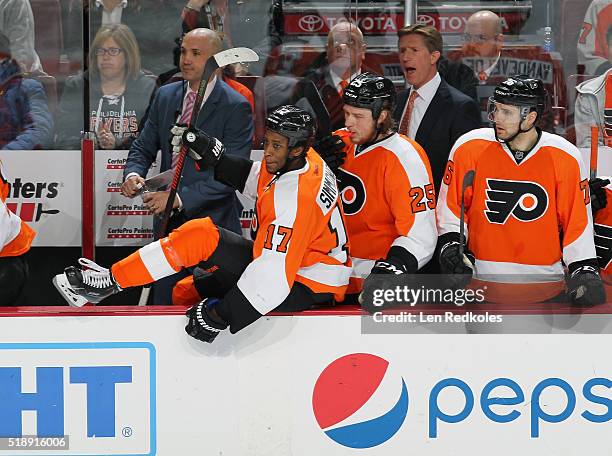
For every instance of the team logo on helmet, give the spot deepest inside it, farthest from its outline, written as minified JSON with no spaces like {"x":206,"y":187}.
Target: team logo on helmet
{"x":191,"y":137}
{"x":603,"y":245}
{"x":352,"y":191}
{"x":525,"y":201}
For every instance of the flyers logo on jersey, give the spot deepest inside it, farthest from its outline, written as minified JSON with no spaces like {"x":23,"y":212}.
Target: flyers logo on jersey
{"x":525,"y":201}
{"x":603,"y":245}
{"x":352,"y":190}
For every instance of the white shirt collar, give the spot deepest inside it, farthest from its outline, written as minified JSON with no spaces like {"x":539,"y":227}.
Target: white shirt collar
{"x":209,"y":89}
{"x":114,"y":16}
{"x":428,"y":90}
{"x":489,"y":70}
{"x":337,"y":79}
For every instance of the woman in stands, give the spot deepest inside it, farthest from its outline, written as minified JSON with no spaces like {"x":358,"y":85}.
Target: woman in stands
{"x":119,"y":92}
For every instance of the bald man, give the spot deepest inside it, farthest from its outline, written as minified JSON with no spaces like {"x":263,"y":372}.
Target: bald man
{"x":224,"y":114}
{"x":492,"y":62}
{"x":344,"y":59}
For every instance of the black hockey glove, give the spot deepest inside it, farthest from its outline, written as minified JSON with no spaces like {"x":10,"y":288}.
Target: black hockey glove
{"x":202,"y":325}
{"x":584,"y":285}
{"x":331,"y":149}
{"x":206,"y":150}
{"x":458,"y":269}
{"x":597,"y":189}
{"x":399,"y":261}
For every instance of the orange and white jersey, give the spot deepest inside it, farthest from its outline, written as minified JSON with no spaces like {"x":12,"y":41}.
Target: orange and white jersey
{"x":300,"y":234}
{"x":592,"y":43}
{"x":521,"y":219}
{"x":389,"y":200}
{"x":603,"y":238}
{"x":15,"y":235}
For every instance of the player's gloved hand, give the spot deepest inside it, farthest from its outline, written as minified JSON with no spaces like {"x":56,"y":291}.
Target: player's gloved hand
{"x":459,"y":269}
{"x":206,"y":150}
{"x":202,"y":324}
{"x":331,"y":149}
{"x":398,"y":262}
{"x":584,"y":286}
{"x":597,"y":189}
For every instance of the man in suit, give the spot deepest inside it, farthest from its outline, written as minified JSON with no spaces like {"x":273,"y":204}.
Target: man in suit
{"x":431,"y":112}
{"x":224,"y":114}
{"x":344,"y":58}
{"x":492,"y":62}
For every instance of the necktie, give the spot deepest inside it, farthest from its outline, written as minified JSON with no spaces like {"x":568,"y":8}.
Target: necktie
{"x":343,"y":85}
{"x":405,"y":123}
{"x":185,"y":117}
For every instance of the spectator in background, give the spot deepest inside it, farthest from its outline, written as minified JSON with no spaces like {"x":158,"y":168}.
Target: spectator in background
{"x":17,"y":23}
{"x":431,"y":112}
{"x":593,"y":45}
{"x":594,"y":105}
{"x":483,"y":51}
{"x":154,"y":23}
{"x":119,"y":92}
{"x":25,"y":120}
{"x":343,"y":61}
{"x":224,"y":114}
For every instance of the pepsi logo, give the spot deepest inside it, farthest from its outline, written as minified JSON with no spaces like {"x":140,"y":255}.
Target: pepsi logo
{"x":359,"y":402}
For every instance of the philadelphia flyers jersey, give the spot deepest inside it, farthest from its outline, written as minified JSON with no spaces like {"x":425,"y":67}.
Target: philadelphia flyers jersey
{"x":300,"y":234}
{"x":603,"y":239}
{"x":389,"y":200}
{"x":15,"y":235}
{"x":521,"y":219}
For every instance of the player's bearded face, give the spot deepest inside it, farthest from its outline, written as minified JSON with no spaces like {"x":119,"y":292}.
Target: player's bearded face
{"x":360,"y":124}
{"x":275,"y":147}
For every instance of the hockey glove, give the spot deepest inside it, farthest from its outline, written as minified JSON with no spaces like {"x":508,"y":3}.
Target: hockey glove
{"x":202,"y":325}
{"x":459,"y":269}
{"x":206,"y":150}
{"x":584,"y":286}
{"x":398,"y":261}
{"x":331,"y":149}
{"x":597,"y":189}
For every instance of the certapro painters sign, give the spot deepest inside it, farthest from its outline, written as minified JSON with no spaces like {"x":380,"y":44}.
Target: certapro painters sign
{"x":119,"y":220}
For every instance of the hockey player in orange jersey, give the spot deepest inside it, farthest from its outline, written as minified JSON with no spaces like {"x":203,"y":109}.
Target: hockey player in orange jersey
{"x":527,"y":211}
{"x":16,"y":237}
{"x":386,"y":184}
{"x":299,"y":257}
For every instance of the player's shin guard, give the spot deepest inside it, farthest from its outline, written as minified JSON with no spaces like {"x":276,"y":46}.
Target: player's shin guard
{"x":186,"y":246}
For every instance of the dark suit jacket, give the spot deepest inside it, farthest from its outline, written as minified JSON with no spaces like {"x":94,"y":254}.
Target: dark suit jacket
{"x":449,"y":115}
{"x":227,"y":116}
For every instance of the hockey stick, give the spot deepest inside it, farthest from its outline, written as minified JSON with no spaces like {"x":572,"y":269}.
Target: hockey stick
{"x":594,"y":151}
{"x":221,"y":59}
{"x":468,"y":181}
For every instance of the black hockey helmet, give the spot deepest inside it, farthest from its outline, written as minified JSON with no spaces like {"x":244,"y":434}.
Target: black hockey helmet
{"x":521,"y":91}
{"x":293,"y":123}
{"x":370,"y":91}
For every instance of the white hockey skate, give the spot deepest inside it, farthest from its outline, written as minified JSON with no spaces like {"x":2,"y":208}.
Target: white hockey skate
{"x":78,"y":286}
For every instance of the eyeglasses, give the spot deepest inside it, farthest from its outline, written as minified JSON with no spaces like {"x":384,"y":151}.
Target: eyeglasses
{"x":110,"y":51}
{"x":479,"y":39}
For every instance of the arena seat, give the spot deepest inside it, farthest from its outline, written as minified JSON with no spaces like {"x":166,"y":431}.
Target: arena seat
{"x":48,"y":30}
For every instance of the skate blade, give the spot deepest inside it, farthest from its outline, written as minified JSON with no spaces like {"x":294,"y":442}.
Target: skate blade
{"x":63,"y":286}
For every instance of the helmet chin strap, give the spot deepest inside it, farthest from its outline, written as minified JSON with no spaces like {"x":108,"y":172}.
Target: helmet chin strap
{"x":290,"y":160}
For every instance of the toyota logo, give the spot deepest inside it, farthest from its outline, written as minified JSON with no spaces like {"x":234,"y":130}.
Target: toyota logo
{"x":311,"y":23}
{"x":426,"y":19}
